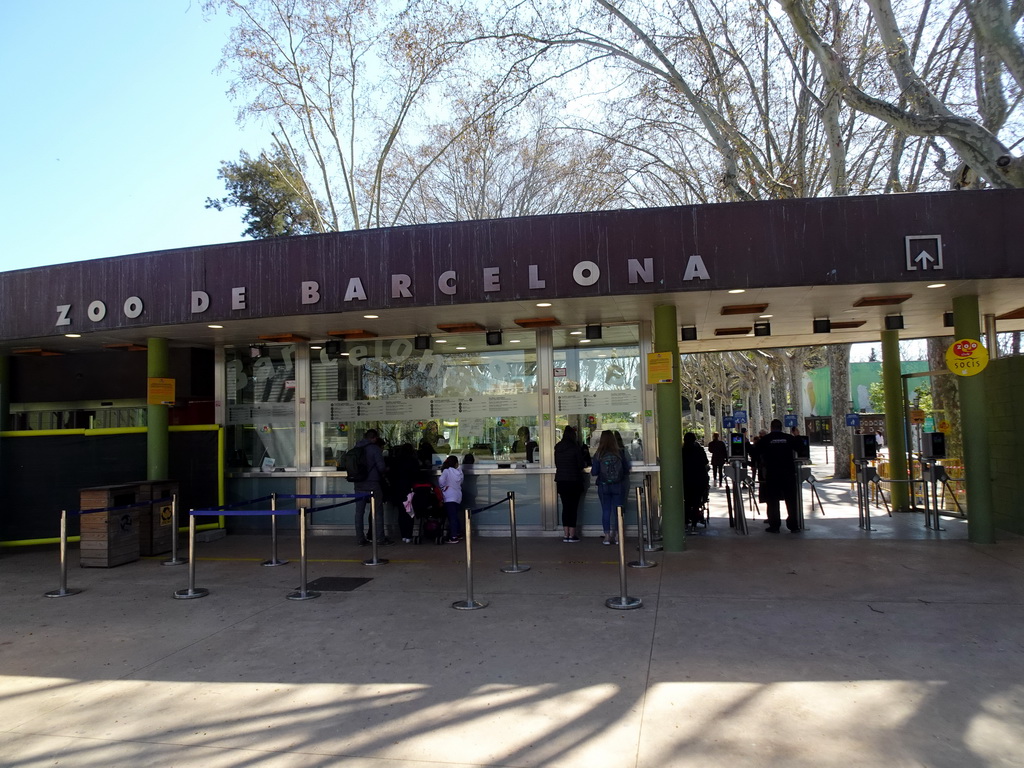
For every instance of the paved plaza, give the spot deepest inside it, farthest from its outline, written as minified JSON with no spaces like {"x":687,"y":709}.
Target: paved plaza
{"x":832,"y":647}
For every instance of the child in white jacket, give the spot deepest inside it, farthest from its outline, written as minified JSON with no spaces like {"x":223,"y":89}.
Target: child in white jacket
{"x":451,"y":490}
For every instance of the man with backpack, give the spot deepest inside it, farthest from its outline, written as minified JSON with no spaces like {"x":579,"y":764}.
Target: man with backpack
{"x":611,"y":468}
{"x":364,"y":464}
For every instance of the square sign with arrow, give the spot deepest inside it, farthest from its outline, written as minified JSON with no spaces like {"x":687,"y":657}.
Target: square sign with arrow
{"x":924,"y":252}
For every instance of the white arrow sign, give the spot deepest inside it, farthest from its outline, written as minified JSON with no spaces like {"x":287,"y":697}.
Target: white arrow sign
{"x":923,"y":252}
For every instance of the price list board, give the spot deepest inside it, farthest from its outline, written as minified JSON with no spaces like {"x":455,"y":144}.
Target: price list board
{"x":612,"y":401}
{"x":262,"y":413}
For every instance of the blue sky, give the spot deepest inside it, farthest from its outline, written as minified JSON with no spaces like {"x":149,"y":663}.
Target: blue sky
{"x":114,"y":127}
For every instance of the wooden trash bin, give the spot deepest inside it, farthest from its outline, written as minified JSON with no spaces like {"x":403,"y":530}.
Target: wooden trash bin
{"x":109,"y":538}
{"x":156,"y":529}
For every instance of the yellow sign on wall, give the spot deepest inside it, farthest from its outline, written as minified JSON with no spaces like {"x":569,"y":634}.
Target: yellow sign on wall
{"x":160,"y":391}
{"x":966,"y":357}
{"x":659,"y":367}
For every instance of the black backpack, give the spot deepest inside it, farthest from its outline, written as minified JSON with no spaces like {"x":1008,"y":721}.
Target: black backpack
{"x":355,"y":464}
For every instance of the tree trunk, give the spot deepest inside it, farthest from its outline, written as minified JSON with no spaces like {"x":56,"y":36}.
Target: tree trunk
{"x":839,"y":377}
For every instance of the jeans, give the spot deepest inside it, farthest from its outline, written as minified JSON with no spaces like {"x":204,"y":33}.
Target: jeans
{"x":454,"y":519}
{"x":611,"y":496}
{"x":360,"y":514}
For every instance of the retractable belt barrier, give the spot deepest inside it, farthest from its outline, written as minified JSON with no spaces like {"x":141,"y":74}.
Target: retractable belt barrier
{"x":62,"y":590}
{"x":642,"y":522}
{"x":623,"y":602}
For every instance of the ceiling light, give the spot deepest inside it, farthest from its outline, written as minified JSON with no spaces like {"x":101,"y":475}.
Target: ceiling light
{"x":371,"y":317}
{"x":937,"y":285}
{"x":544,"y":304}
{"x":315,"y":346}
{"x":73,"y":335}
{"x":460,"y":348}
{"x":584,"y":341}
{"x":738,"y":290}
{"x":440,"y":341}
{"x":215,"y":326}
{"x":515,"y":341}
{"x":765,"y":317}
{"x":575,"y":333}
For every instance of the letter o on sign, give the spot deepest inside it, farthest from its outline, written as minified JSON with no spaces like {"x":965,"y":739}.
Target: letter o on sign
{"x":97,"y":311}
{"x":132,"y":307}
{"x":586,"y":273}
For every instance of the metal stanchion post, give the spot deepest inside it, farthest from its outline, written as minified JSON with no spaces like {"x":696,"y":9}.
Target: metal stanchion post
{"x":63,"y":591}
{"x":273,"y":535}
{"x":192,"y":591}
{"x":653,"y":521}
{"x":623,"y":602}
{"x":175,"y":560}
{"x":469,"y":604}
{"x":650,"y":546}
{"x":515,"y":567}
{"x":302,"y":593}
{"x":640,"y":544}
{"x":374,"y":560}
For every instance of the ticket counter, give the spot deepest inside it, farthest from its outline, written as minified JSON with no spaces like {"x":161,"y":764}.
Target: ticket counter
{"x":292,"y":410}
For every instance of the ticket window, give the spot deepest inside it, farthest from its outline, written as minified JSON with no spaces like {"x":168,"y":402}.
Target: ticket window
{"x":260,"y":383}
{"x":598,"y":386}
{"x":458,"y":395}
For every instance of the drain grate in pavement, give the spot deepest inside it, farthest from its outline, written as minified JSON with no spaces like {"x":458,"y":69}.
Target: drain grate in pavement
{"x":337,"y":583}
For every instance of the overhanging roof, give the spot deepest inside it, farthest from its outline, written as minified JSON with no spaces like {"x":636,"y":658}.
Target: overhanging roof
{"x":804,"y":259}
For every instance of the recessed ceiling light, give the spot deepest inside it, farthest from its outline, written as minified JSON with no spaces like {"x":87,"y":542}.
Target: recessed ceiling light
{"x":215,"y":326}
{"x":575,"y":333}
{"x":765,"y":317}
{"x":544,"y":304}
{"x":371,"y":317}
{"x":514,"y":341}
{"x":343,"y":354}
{"x":73,"y":335}
{"x":315,"y":346}
{"x":937,"y":285}
{"x":440,"y":341}
{"x":584,"y":341}
{"x":460,"y":348}
{"x":738,"y":290}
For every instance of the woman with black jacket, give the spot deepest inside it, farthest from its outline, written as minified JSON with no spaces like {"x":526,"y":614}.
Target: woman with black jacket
{"x":569,"y":479}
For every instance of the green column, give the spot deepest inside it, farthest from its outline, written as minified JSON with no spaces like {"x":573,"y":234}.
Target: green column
{"x":895,"y":430}
{"x":670,"y":433}
{"x":157,"y":439}
{"x":974,"y":426}
{"x":5,"y":392}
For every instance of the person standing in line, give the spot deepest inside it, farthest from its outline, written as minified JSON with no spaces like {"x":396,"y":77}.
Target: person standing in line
{"x":611,"y":468}
{"x":569,"y":478}
{"x":451,"y":491}
{"x":719,"y":455}
{"x":775,"y":454}
{"x":695,"y":480}
{"x":403,"y":470}
{"x":372,"y":484}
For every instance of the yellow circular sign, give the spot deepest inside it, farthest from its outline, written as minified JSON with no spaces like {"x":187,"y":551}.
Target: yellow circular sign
{"x":966,"y":357}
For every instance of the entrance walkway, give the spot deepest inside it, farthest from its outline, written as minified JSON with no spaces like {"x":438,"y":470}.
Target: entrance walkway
{"x":828,"y":648}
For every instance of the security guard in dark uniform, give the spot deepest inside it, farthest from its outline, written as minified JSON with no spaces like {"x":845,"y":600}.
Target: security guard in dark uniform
{"x":775,"y":452}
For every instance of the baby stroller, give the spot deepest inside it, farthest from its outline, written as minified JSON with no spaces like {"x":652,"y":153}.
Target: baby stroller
{"x":428,"y":508}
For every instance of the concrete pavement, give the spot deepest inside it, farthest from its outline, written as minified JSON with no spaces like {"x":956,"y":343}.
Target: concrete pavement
{"x":834,"y":647}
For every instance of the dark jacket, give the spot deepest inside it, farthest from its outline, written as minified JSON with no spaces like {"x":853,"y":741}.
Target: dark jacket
{"x":775,"y":454}
{"x":719,"y":453}
{"x":569,"y":463}
{"x":374,"y":462}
